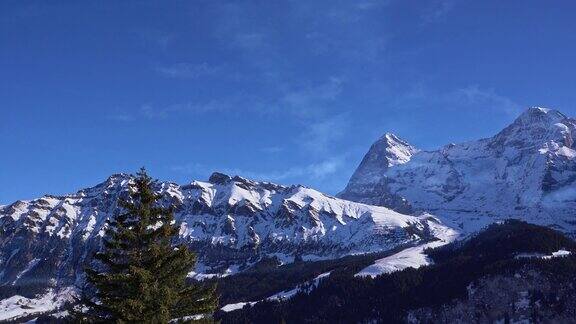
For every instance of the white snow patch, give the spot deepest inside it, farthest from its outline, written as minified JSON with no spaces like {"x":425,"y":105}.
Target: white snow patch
{"x":30,"y":266}
{"x":233,"y":307}
{"x":559,"y":253}
{"x":567,"y":152}
{"x":200,"y":276}
{"x":18,"y":306}
{"x":189,"y":318}
{"x":413,"y":257}
{"x":283,"y":295}
{"x":307,"y":287}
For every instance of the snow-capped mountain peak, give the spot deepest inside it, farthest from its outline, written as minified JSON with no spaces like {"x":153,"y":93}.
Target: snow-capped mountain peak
{"x":387,"y":152}
{"x":527,"y":171}
{"x":398,"y":151}
{"x":534,"y":115}
{"x":535,"y":128}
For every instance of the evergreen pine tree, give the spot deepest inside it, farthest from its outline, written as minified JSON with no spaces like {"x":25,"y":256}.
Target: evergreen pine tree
{"x":142,"y":276}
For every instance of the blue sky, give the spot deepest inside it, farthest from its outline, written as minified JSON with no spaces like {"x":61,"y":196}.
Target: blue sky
{"x":286,"y":91}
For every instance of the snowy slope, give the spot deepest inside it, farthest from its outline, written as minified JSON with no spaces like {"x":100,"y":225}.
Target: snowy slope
{"x":230,"y":221}
{"x":413,"y":257}
{"x":526,"y":171}
{"x":18,"y":306}
{"x":306,"y":287}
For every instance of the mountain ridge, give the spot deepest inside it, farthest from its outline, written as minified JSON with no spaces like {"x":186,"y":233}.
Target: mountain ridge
{"x":526,"y":171}
{"x":231,"y":222}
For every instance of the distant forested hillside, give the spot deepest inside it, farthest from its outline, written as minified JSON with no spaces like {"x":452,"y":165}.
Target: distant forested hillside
{"x":506,"y":272}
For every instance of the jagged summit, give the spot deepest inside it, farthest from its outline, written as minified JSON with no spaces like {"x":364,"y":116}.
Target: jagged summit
{"x":533,"y":114}
{"x":219,"y":178}
{"x":386,"y":152}
{"x":534,"y":129}
{"x":117,"y":178}
{"x":394,"y":149}
{"x":538,"y":118}
{"x":391,"y":137}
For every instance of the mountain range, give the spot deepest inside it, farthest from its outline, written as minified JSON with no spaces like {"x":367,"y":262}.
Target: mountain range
{"x":232,"y":222}
{"x":400,"y":198}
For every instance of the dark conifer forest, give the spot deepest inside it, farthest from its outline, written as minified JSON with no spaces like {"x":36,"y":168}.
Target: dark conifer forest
{"x":423,"y":292}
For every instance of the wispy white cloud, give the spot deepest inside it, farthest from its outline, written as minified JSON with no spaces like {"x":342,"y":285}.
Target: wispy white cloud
{"x":353,"y":11}
{"x":121,"y":117}
{"x":250,"y":40}
{"x":468,"y":98}
{"x":272,"y":149}
{"x":313,"y":107}
{"x":157,"y":38}
{"x":437,"y":11}
{"x":310,"y":101}
{"x":195,"y":169}
{"x":236,"y":27}
{"x":150,"y":111}
{"x":321,"y":136}
{"x":317,"y":171}
{"x":27,"y":10}
{"x":323,"y":92}
{"x":371,"y":4}
{"x":189,"y":70}
{"x":473,"y":96}
{"x":310,"y":105}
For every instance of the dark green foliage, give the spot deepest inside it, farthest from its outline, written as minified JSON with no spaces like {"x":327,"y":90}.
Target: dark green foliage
{"x":142,"y":276}
{"x":500,"y":241}
{"x":343,"y":298}
{"x":267,"y":278}
{"x":28,"y":290}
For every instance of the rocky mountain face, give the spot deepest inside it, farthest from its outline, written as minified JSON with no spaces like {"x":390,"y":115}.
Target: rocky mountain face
{"x":368,"y":183}
{"x":232,"y":222}
{"x":526,"y":171}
